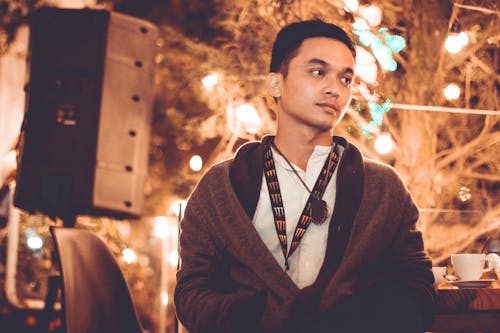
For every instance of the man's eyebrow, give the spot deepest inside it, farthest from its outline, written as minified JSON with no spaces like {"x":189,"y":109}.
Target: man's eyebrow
{"x":317,"y":61}
{"x":349,"y":70}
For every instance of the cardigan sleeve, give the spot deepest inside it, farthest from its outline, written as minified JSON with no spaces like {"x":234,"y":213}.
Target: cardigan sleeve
{"x":204,"y":297}
{"x":409,"y":262}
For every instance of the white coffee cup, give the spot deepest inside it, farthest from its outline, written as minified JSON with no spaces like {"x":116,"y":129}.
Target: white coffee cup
{"x":470,"y":266}
{"x":439,"y":273}
{"x":495,"y":259}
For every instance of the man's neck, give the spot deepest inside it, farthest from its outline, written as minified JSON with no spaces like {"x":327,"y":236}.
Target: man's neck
{"x":298,"y":147}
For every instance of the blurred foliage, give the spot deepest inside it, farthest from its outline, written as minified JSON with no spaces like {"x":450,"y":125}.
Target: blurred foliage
{"x":436,"y":153}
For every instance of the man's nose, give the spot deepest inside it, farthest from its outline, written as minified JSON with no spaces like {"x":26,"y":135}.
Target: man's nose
{"x":331,"y":88}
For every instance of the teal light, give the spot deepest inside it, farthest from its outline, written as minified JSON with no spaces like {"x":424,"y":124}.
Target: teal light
{"x":358,"y":26}
{"x":384,"y":56}
{"x":381,"y":52}
{"x":367,"y":128}
{"x":366,"y":38}
{"x":396,"y":43}
{"x":389,"y":64}
{"x":376,"y":111}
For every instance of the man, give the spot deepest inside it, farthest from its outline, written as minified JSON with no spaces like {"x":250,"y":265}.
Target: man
{"x":300,"y":233}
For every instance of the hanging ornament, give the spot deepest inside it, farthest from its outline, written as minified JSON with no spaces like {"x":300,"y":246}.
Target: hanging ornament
{"x":372,"y":14}
{"x":366,"y":67}
{"x":464,"y":194}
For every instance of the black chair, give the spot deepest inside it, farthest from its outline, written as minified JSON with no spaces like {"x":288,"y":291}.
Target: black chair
{"x":95,"y":295}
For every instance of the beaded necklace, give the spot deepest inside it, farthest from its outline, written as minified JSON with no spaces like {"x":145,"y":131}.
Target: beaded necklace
{"x":315,"y":209}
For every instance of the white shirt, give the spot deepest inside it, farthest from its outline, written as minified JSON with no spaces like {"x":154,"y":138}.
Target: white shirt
{"x":307,"y":259}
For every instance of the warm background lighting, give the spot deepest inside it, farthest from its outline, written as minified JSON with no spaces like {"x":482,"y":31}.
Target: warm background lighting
{"x":196,"y":163}
{"x":164,"y":298}
{"x":383,"y":144}
{"x":451,"y":91}
{"x":366,"y":66}
{"x":34,"y":242}
{"x":129,"y":256}
{"x":372,"y":14}
{"x":178,"y":207}
{"x":210,"y":81}
{"x":455,"y":42}
{"x":248,"y":116}
{"x":464,"y":194}
{"x":352,"y":5}
{"x":173,"y":258}
{"x":206,"y":66}
{"x":160,"y":227}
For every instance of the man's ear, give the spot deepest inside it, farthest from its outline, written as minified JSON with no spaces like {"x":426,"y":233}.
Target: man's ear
{"x":274,"y":84}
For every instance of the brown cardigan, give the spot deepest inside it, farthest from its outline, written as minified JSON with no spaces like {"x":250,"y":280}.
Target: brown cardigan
{"x":372,"y":237}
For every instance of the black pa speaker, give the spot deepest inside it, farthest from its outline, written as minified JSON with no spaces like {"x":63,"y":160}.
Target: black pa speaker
{"x":84,"y":146}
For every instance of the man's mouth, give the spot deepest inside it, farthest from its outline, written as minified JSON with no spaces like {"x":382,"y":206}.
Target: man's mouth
{"x":332,"y":108}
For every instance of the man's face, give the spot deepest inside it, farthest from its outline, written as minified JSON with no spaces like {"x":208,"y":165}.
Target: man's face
{"x":317,"y":88}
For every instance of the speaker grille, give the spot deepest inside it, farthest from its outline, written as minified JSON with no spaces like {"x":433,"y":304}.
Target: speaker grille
{"x":88,"y":113}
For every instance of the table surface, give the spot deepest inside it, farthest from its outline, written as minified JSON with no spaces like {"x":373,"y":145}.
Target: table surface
{"x":452,"y":299}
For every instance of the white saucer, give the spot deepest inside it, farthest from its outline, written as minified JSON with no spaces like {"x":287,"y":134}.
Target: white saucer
{"x":483,"y":283}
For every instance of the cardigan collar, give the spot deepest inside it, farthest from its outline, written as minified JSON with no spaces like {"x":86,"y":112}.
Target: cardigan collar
{"x":246,"y":173}
{"x":247,"y":169}
{"x":246,"y":178}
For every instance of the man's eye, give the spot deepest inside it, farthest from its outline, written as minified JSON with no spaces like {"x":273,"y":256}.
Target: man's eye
{"x":346,"y":81}
{"x":317,"y":72}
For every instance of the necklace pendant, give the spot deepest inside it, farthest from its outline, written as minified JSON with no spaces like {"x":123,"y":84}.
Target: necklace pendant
{"x":319,"y":211}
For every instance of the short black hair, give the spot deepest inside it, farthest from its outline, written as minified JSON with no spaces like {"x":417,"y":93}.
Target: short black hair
{"x":291,"y":37}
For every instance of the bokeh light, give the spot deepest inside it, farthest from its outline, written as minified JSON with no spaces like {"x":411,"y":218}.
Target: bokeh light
{"x":129,"y":256}
{"x":352,"y":5}
{"x":464,"y":194}
{"x":383,"y":144}
{"x":34,"y":242}
{"x":372,"y":14}
{"x":366,"y":66}
{"x":196,"y":163}
{"x":451,"y":91}
{"x":210,"y":81}
{"x":455,"y":42}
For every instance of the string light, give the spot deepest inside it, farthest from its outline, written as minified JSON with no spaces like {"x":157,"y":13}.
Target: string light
{"x":464,"y":194}
{"x":455,"y":43}
{"x":34,"y":242}
{"x":243,"y":119}
{"x":444,"y":109}
{"x":451,"y":91}
{"x":196,"y":163}
{"x":160,"y":227}
{"x":384,"y":144}
{"x":456,"y":39}
{"x":210,"y":81}
{"x":248,"y":116}
{"x":129,"y":256}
